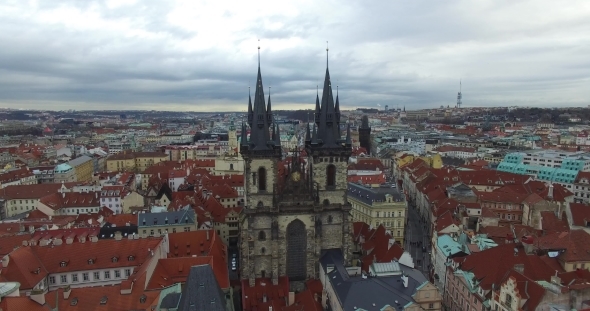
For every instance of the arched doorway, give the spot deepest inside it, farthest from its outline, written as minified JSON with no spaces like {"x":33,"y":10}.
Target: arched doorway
{"x":296,"y":250}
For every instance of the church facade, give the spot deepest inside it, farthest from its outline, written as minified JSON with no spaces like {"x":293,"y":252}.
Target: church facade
{"x":295,"y":206}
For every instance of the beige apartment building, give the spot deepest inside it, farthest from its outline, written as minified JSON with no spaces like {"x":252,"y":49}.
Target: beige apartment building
{"x":134,"y":161}
{"x":379,"y":206}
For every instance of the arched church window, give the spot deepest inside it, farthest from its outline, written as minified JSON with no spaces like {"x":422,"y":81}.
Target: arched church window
{"x":326,"y":202}
{"x":262,"y":179}
{"x":331,"y":176}
{"x":330,"y":219}
{"x":260,"y":204}
{"x":263,"y":251}
{"x":231,"y":167}
{"x":261,"y":236}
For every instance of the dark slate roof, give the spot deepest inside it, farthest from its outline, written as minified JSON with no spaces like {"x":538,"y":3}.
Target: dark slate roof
{"x":170,"y":301}
{"x":370,"y":195}
{"x":166,"y":218}
{"x":372,"y":293}
{"x":450,"y":161}
{"x":108,"y":231}
{"x":201,"y":291}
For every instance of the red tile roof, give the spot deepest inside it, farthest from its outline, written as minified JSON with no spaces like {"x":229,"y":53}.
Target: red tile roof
{"x":551,"y":223}
{"x":25,"y":261}
{"x":377,"y":245}
{"x":170,"y":271}
{"x":575,"y":244}
{"x":529,"y":291}
{"x":367,"y":164}
{"x":31,"y":191}
{"x":253,"y":297}
{"x":580,"y":214}
{"x":15,"y":175}
{"x":487,"y":268}
{"x":56,"y":201}
{"x":196,"y":243}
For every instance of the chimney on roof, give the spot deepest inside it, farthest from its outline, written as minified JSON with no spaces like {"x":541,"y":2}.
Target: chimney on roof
{"x":519,"y":267}
{"x":405,"y":280}
{"x":291,"y":299}
{"x":207,"y":235}
{"x":550,"y":192}
{"x":5,"y":261}
{"x":118,"y":236}
{"x":555,"y":279}
{"x":67,"y":292}
{"x":38,"y":296}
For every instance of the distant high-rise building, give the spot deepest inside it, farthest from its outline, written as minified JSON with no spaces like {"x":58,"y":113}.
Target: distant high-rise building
{"x":386,"y":107}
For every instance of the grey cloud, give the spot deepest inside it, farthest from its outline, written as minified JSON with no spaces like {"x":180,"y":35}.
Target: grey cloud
{"x":395,"y":53}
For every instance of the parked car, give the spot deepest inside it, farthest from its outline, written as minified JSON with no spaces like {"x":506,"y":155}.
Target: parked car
{"x":234,"y":264}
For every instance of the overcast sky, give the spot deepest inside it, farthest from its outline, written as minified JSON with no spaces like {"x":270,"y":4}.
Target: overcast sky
{"x":201,"y":55}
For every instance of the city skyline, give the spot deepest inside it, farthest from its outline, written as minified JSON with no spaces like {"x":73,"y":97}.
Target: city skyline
{"x":202,"y":56}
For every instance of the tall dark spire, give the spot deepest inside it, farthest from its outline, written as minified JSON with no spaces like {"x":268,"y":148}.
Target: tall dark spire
{"x":327,"y":122}
{"x":278,"y":135}
{"x":259,"y":132}
{"x":250,"y":111}
{"x":317,"y":106}
{"x":337,"y":116}
{"x":307,"y":134}
{"x":348,"y":137}
{"x":269,"y":117}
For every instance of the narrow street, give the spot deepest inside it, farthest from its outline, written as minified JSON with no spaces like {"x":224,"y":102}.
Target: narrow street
{"x":417,"y":241}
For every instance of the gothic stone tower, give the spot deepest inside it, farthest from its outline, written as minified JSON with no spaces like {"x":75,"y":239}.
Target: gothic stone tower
{"x":293,"y":210}
{"x":365,"y":134}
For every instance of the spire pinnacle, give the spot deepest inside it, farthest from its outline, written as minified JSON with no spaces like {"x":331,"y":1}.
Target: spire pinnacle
{"x":258,"y":53}
{"x":327,"y":49}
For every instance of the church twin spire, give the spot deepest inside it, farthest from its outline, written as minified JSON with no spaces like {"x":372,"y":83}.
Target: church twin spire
{"x":260,"y":119}
{"x":327,"y":116}
{"x":326,"y":127}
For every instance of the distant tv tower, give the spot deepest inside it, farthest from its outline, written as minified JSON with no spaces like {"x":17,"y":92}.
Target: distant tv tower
{"x":459,"y":96}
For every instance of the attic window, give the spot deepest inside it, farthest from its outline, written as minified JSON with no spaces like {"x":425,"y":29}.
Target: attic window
{"x":74,"y":301}
{"x":115,"y":259}
{"x":131,"y":258}
{"x":63,"y":263}
{"x":176,"y":220}
{"x":103,"y":300}
{"x":90,"y":261}
{"x":155,"y":221}
{"x":142,"y":299}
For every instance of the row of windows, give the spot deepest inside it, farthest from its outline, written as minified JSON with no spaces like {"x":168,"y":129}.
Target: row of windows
{"x":260,"y":177}
{"x":186,"y":229}
{"x":85,"y":277}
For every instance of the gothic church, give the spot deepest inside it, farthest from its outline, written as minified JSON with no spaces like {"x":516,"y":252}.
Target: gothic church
{"x":295,"y":207}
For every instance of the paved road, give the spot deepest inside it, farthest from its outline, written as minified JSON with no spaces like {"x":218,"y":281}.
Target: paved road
{"x":417,"y":241}
{"x":233,"y":275}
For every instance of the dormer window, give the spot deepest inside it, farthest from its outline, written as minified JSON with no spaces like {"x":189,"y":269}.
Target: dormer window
{"x":131,"y":258}
{"x":115,"y":259}
{"x":63,"y":263}
{"x":90,"y":261}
